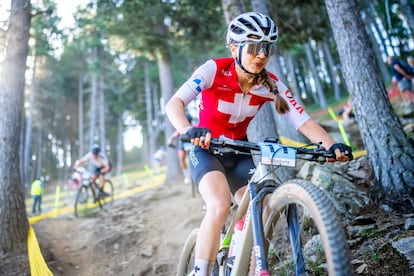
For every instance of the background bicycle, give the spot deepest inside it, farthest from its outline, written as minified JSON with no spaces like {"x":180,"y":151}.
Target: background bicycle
{"x":88,"y":196}
{"x":296,"y":232}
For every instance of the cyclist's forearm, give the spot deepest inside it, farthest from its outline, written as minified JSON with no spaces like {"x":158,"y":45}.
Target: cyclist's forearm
{"x":176,"y":114}
{"x":315,"y":133}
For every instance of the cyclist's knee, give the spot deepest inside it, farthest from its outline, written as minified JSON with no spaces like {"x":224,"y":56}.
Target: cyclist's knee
{"x":239,"y":194}
{"x":218,"y":210}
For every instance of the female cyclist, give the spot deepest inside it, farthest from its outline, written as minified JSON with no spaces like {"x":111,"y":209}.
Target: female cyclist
{"x":232,"y":91}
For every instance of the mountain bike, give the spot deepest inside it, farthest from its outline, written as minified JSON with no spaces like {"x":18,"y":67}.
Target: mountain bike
{"x":289,"y":228}
{"x":88,"y":196}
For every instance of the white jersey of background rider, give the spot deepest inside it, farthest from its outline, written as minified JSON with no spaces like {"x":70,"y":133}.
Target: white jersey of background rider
{"x":207,"y":72}
{"x":99,"y":162}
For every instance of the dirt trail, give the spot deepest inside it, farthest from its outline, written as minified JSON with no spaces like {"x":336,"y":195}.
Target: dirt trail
{"x":139,"y":235}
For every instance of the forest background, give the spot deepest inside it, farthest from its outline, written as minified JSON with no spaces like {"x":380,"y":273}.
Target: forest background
{"x":63,"y":90}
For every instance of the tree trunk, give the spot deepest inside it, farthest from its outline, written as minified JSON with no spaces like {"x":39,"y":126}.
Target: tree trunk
{"x":149,"y":112}
{"x":166,"y":82}
{"x":331,"y":69}
{"x":306,"y":81}
{"x":93,"y":101}
{"x":13,"y":219}
{"x":102,"y":107}
{"x":232,"y":8}
{"x":120,"y":146}
{"x":315,"y":76}
{"x":407,"y":10}
{"x":80,"y":115}
{"x":369,"y":21}
{"x":389,"y":150}
{"x":29,"y":127}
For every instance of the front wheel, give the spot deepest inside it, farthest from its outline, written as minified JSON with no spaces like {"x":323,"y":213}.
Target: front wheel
{"x":303,"y":233}
{"x":83,"y":198}
{"x":186,"y":262}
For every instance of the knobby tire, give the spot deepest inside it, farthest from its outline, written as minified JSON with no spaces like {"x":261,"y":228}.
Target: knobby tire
{"x":83,"y":198}
{"x":317,"y":223}
{"x":186,"y":262}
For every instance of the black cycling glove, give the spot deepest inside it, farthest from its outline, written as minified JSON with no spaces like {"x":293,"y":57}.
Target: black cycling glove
{"x":197,"y":132}
{"x":343,"y":148}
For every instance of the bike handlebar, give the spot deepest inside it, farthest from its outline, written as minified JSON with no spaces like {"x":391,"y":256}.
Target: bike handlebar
{"x":224,"y":145}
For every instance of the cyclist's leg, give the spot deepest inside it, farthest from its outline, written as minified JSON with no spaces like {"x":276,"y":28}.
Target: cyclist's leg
{"x":239,"y":176}
{"x":216,"y":195}
{"x":215,"y":191}
{"x":102,"y":181}
{"x":106,"y":196}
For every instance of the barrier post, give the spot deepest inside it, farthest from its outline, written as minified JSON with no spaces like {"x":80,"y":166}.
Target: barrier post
{"x":148,"y":170}
{"x":340,"y":127}
{"x":57,"y":195}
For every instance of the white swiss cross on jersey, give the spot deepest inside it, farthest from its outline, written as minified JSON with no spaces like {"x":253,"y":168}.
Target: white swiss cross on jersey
{"x":238,"y":110}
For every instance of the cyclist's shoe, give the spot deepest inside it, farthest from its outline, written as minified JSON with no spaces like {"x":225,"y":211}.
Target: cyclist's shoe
{"x":102,"y":194}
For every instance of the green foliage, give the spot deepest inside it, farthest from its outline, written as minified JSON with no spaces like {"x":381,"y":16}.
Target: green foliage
{"x":299,"y":20}
{"x":43,"y":27}
{"x":399,"y":35}
{"x":127,"y":35}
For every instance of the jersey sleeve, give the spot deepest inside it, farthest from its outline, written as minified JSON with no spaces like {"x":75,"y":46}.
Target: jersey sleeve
{"x":201,"y":79}
{"x":297,"y":114}
{"x":86,"y":157}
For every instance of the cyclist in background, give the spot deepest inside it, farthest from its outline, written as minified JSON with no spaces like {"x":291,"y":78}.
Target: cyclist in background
{"x":232,"y":91}
{"x":100,"y":166}
{"x":182,"y":149}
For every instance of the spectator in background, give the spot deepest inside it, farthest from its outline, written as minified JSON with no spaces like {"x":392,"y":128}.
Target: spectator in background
{"x":347,"y":113}
{"x":182,"y":149}
{"x":159,"y":158}
{"x":37,"y":190}
{"x":404,"y":76}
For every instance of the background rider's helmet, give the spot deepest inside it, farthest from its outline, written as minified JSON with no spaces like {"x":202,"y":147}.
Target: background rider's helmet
{"x":252,"y":26}
{"x":95,"y":149}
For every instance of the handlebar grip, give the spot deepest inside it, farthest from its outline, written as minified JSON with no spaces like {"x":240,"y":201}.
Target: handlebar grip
{"x":330,"y":154}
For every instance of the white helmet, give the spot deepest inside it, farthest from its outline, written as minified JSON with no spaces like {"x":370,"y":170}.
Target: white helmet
{"x":252,"y":26}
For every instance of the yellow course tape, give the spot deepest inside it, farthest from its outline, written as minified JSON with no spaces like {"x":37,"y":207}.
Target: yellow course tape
{"x":38,"y":266}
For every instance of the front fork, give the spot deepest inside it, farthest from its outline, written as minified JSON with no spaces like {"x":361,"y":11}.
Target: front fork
{"x":257,"y":194}
{"x":258,"y":234}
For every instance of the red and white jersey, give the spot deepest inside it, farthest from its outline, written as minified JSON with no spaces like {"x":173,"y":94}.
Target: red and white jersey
{"x":224,"y":108}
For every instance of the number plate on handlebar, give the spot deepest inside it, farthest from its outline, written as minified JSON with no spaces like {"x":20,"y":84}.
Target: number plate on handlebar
{"x":277,"y":154}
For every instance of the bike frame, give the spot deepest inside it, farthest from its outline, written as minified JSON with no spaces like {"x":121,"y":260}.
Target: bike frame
{"x":263,"y":182}
{"x":252,"y":232}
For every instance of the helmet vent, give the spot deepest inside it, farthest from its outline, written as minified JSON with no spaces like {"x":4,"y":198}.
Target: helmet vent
{"x":237,"y":30}
{"x":248,"y":24}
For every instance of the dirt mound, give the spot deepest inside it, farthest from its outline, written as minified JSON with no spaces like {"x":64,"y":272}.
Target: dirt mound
{"x":139,"y":235}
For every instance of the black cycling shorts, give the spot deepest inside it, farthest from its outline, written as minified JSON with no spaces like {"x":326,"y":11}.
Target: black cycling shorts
{"x":97,"y":170}
{"x":237,"y":168}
